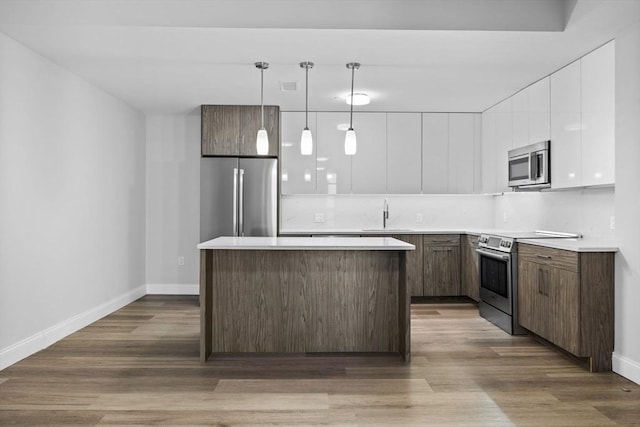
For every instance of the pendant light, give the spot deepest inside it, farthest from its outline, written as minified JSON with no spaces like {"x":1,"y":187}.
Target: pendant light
{"x":306,"y":140}
{"x":262,"y":140}
{"x":350,"y":137}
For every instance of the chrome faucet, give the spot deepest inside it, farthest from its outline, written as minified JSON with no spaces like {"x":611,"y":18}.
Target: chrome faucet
{"x":385,"y":213}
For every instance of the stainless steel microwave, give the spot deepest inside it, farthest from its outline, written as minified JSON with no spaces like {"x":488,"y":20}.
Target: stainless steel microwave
{"x":530,"y":166}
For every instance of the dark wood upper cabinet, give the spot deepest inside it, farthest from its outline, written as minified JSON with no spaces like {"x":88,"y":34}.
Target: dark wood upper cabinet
{"x":231,"y":130}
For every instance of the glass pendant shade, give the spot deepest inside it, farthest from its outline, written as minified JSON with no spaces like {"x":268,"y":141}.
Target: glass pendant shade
{"x":350,"y":143}
{"x":306,"y":143}
{"x":262,"y":142}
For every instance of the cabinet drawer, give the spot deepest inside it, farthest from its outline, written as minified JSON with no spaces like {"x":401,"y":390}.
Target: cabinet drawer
{"x":441,"y":239}
{"x":556,"y":258}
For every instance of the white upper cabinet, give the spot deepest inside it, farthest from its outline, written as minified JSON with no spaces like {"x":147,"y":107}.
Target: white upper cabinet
{"x":461,"y":153}
{"x":435,"y":152}
{"x":369,"y":164}
{"x":298,"y":172}
{"x":489,"y":151}
{"x":477,"y":153}
{"x":598,"y":116}
{"x":333,"y":166}
{"x":504,"y":143}
{"x":539,"y":117}
{"x":404,"y":153}
{"x":521,"y":118}
{"x":566,"y":150}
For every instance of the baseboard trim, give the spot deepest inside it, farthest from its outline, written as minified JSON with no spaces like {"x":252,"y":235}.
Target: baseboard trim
{"x":626,"y":367}
{"x":173,"y":289}
{"x":43,"y":339}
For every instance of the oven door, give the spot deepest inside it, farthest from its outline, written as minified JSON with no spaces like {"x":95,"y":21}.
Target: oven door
{"x":495,"y":279}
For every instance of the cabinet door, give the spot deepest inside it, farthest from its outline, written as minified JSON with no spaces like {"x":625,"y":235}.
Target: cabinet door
{"x":333,"y":166}
{"x":538,"y":112}
{"x":414,"y":263}
{"x":220,"y":130}
{"x":470,"y":268}
{"x":566,"y":139}
{"x":441,"y":263}
{"x":461,"y":156}
{"x":435,"y":152}
{"x":564,"y":301}
{"x":489,"y":151}
{"x":598,"y":116}
{"x":534,"y":310}
{"x":404,"y":153}
{"x":369,"y":164}
{"x":250,"y":122}
{"x":520,"y":104}
{"x":298,"y":172}
{"x":504,"y":138}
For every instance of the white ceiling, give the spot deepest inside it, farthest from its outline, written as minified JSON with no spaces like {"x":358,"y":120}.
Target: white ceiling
{"x":173,"y":55}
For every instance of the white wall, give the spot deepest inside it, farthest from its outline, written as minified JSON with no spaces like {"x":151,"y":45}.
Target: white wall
{"x":358,"y":212}
{"x":626,"y":360}
{"x":71,"y":202}
{"x":587,"y":211}
{"x":173,"y":203}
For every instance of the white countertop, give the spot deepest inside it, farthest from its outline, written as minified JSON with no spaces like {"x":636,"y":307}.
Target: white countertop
{"x":376,"y":231}
{"x":308,"y":243}
{"x":589,"y":244}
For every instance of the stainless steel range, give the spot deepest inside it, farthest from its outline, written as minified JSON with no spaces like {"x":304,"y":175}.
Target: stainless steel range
{"x":498,"y":261}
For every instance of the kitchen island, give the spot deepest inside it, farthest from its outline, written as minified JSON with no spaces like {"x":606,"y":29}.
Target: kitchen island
{"x":304,"y":295}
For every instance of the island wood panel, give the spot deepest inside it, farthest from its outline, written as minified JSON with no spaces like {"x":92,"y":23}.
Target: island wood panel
{"x":304,"y":301}
{"x":351,"y":301}
{"x":220,"y":130}
{"x":414,"y":263}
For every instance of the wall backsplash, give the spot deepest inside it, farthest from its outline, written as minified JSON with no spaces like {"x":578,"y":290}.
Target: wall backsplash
{"x":365,"y":211}
{"x":587,"y":211}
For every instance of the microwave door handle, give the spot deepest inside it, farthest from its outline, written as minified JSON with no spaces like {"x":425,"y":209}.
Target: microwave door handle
{"x":533,"y":164}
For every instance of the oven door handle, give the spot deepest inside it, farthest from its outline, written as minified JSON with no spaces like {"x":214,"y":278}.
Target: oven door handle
{"x":493,"y":255}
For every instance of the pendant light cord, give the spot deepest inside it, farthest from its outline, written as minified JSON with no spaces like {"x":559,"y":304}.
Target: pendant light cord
{"x":353,"y":70}
{"x":306,"y":98}
{"x":261,"y":96}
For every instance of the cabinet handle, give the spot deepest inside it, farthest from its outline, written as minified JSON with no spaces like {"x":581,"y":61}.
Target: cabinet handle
{"x":544,"y":256}
{"x":442,"y":249}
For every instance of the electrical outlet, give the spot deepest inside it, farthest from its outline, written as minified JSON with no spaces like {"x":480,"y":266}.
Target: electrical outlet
{"x":612,"y":222}
{"x":505,"y":217}
{"x":419,"y":218}
{"x":318,"y":217}
{"x":180,"y":260}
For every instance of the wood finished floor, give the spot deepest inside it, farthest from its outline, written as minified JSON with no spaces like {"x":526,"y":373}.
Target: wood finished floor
{"x":140,"y":366}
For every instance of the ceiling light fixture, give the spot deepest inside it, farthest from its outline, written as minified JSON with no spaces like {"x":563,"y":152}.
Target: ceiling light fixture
{"x":262,"y":140}
{"x":350,"y":137}
{"x":358,"y":99}
{"x":306,"y":140}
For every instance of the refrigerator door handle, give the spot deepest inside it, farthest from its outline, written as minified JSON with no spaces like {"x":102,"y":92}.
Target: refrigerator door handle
{"x":235,"y":202}
{"x":241,"y":204}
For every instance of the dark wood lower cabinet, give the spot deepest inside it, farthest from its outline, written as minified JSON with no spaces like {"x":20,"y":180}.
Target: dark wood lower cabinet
{"x":470,"y":268}
{"x":441,"y":265}
{"x":569,"y":303}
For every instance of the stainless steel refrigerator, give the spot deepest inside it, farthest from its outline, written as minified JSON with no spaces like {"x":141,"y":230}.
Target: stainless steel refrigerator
{"x":238,"y":197}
